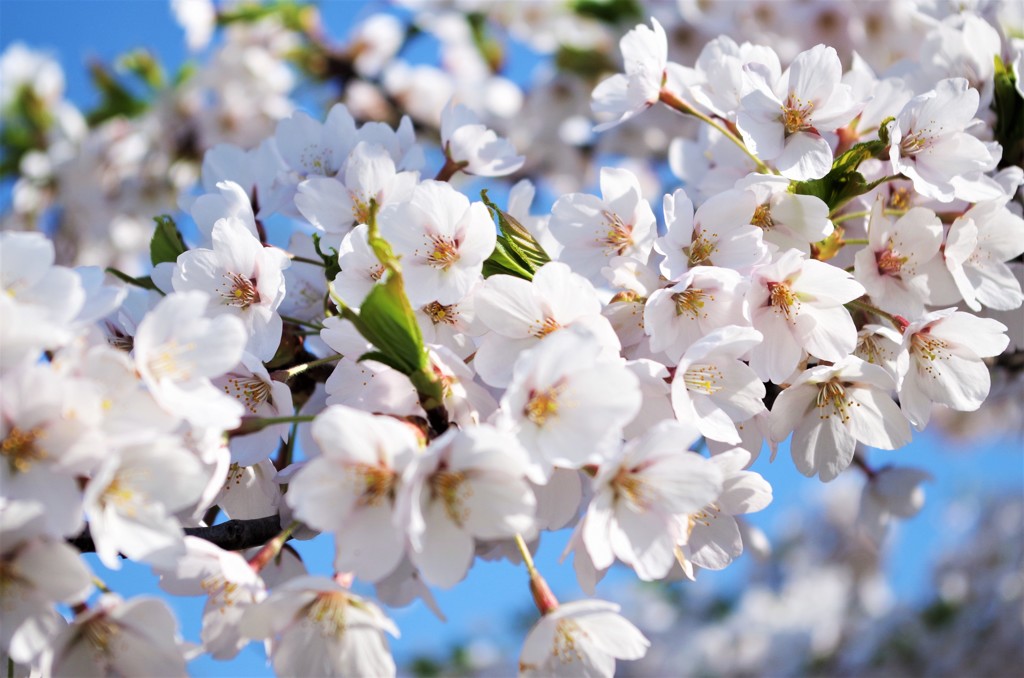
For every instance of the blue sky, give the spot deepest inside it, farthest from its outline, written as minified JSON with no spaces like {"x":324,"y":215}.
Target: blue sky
{"x":495,"y":593}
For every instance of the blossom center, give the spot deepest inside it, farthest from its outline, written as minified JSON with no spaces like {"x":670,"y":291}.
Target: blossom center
{"x":619,"y":236}
{"x":706,"y":379}
{"x":99,"y":632}
{"x":690,"y":302}
{"x":252,"y":391}
{"x":833,"y":393}
{"x":900,"y":199}
{"x":167,"y":363}
{"x":564,"y":647}
{"x":700,"y":250}
{"x":445,"y":252}
{"x":782,"y":298}
{"x":632,"y":486}
{"x":796,"y":114}
{"x":327,"y":611}
{"x":542,"y":405}
{"x":927,"y":349}
{"x":451,"y":488}
{"x":546,"y":327}
{"x":912,"y":144}
{"x":239,"y":291}
{"x":378,"y":484}
{"x":21,"y":450}
{"x":763,"y":217}
{"x":439,"y":313}
{"x":889,"y":263}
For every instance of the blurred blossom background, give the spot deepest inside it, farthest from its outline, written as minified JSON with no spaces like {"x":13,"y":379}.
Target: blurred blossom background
{"x":124,"y":97}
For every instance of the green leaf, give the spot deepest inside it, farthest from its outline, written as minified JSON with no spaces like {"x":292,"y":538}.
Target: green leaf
{"x":145,"y":283}
{"x":388,"y":322}
{"x":587,"y":63}
{"x":609,"y":11}
{"x":167,"y":244}
{"x":1009,"y":109}
{"x":843,"y":182}
{"x":330,"y":259}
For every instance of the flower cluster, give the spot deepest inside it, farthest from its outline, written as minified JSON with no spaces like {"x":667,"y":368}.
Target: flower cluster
{"x":350,"y":345}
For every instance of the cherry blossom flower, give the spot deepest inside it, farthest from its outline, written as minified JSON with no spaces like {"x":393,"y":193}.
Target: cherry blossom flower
{"x":928,"y":143}
{"x":443,"y":240}
{"x":702,"y":300}
{"x":829,"y":408}
{"x":896,"y":266}
{"x":720,"y":233}
{"x":467,"y":485}
{"x":892,"y":492}
{"x":245,"y":280}
{"x":335,"y":205}
{"x":713,"y":388}
{"x":783,"y":119}
{"x":474,"y":147}
{"x":641,"y":499}
{"x":978,"y":244}
{"x":177,"y":350}
{"x":584,"y":637}
{"x":319,"y":628}
{"x":941,"y":362}
{"x":132,"y":498}
{"x":521,"y":313}
{"x":350,"y":489}
{"x":38,"y":571}
{"x":250,"y":384}
{"x":787,"y":220}
{"x":797,"y":304}
{"x":229,"y":583}
{"x":714,"y":537}
{"x":645,"y":57}
{"x":118,"y":637}
{"x":567,"y":403}
{"x":593,"y":230}
{"x":39,"y":299}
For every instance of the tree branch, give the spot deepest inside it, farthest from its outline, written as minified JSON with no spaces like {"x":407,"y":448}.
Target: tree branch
{"x":231,"y":535}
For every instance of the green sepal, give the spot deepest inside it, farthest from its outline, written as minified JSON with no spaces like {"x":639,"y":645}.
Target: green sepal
{"x":167,"y":244}
{"x":516,"y":251}
{"x":843,"y":182}
{"x":330,"y":259}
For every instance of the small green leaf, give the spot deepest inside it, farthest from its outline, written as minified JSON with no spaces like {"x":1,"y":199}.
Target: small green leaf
{"x":609,"y":11}
{"x":843,"y":182}
{"x":388,"y":322}
{"x":330,"y":259}
{"x":145,"y":283}
{"x":167,"y":243}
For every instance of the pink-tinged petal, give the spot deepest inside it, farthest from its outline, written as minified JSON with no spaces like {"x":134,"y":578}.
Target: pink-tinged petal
{"x":713,"y":422}
{"x":775,"y":358}
{"x":758,"y":122}
{"x":324,"y":493}
{"x":597,"y":529}
{"x":643,"y":541}
{"x":791,"y":407}
{"x":877,"y":421}
{"x":614,"y":635}
{"x":326,"y":204}
{"x":827,"y":333}
{"x":814,"y":73}
{"x":499,"y":506}
{"x":479,"y":235}
{"x":509,"y":306}
{"x":447,"y":549}
{"x":496,"y":356}
{"x":55,"y":569}
{"x":715,"y":540}
{"x":826,"y":285}
{"x":822,"y":447}
{"x":744,"y":492}
{"x":983,"y":337}
{"x":369,"y":546}
{"x":806,"y":156}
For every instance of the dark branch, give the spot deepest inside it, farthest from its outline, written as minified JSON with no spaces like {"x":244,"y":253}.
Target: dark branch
{"x":231,"y":535}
